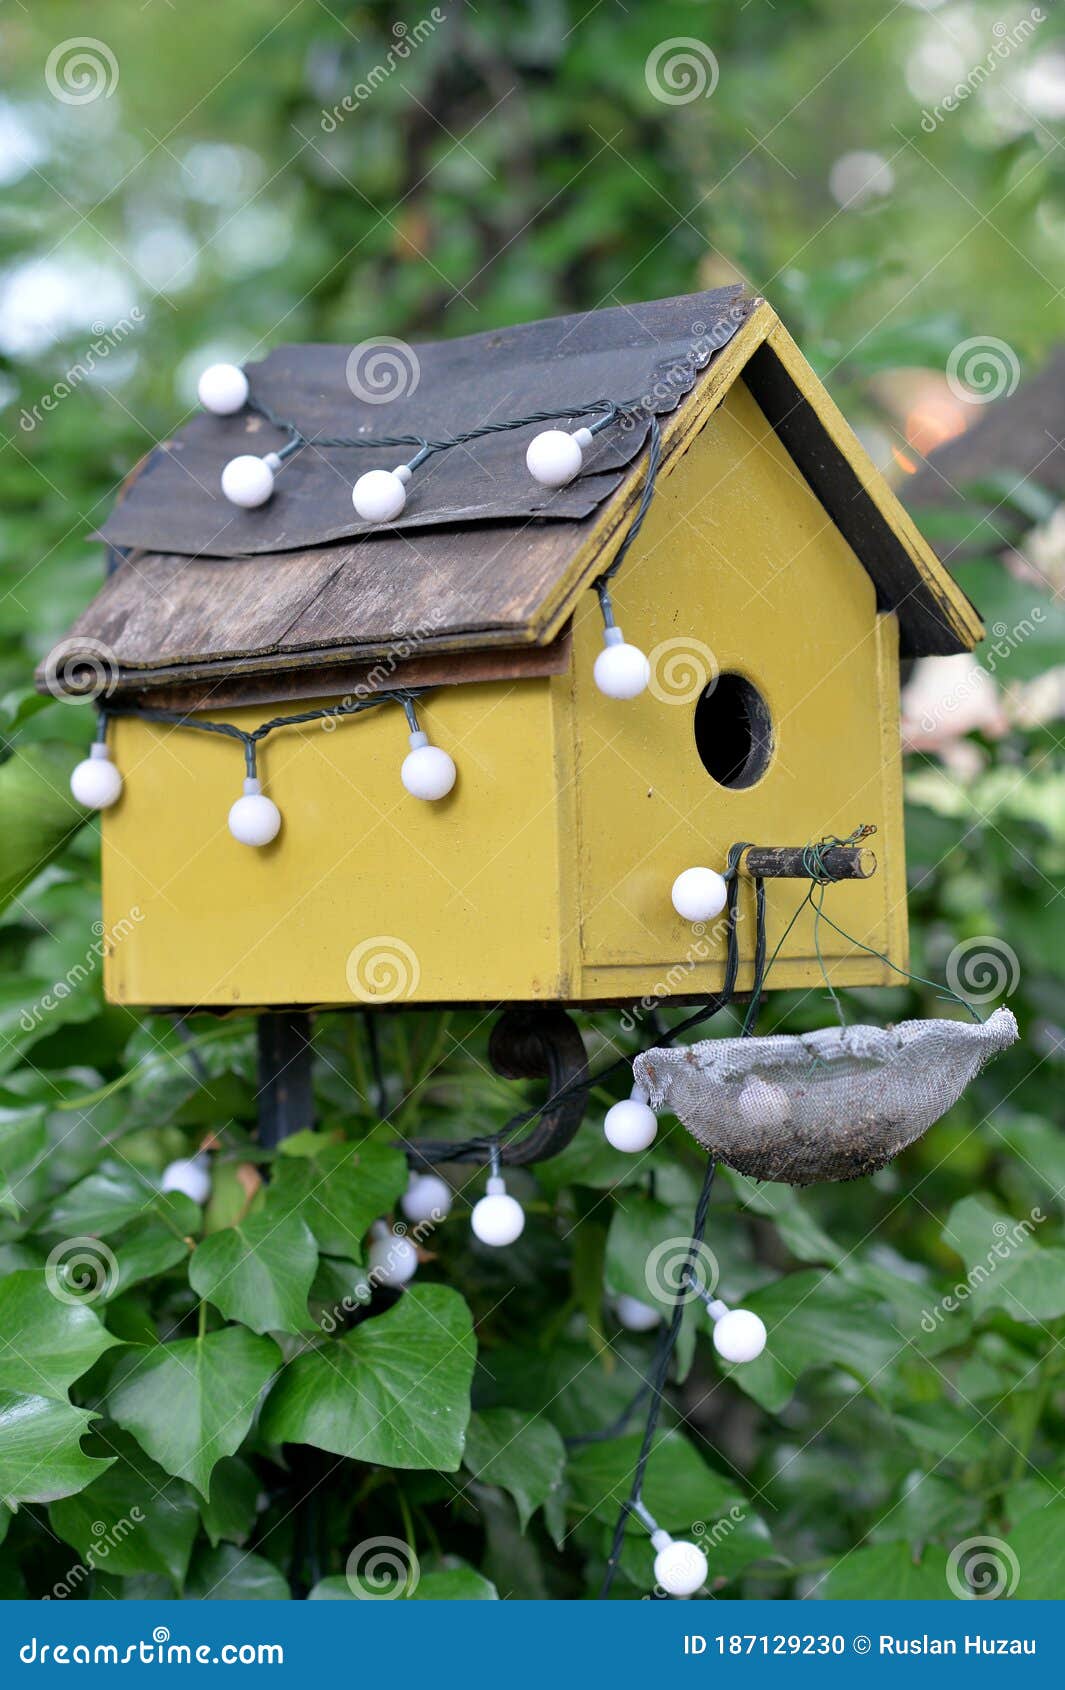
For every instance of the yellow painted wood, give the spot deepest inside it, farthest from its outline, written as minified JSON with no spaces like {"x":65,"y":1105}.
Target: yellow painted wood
{"x":546,"y":874}
{"x":739,"y":569}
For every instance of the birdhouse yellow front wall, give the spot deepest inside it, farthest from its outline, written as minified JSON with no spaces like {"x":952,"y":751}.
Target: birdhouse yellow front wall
{"x":546,"y":873}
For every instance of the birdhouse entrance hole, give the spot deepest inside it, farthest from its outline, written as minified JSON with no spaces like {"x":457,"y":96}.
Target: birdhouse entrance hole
{"x":733,"y":732}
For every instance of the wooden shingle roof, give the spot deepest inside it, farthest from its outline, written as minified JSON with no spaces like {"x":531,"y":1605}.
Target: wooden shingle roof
{"x":482,"y":557}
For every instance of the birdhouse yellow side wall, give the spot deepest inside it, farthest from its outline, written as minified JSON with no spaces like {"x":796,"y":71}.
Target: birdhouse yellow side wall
{"x":368,"y":895}
{"x":738,"y":571}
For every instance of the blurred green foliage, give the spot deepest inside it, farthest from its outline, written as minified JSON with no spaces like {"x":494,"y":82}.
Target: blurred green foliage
{"x":513,"y":163}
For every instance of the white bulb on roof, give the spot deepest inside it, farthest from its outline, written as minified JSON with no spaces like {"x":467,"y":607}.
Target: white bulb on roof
{"x":554,"y":457}
{"x":380,"y":494}
{"x":249,"y":481}
{"x":427,"y":1198}
{"x":621,"y":670}
{"x":427,"y":772}
{"x":635,"y":1316}
{"x":190,"y":1175}
{"x":680,"y":1568}
{"x":223,"y":389}
{"x":699,"y":894}
{"x":254,"y":819}
{"x":498,"y":1219}
{"x":96,"y":782}
{"x":631,"y":1125}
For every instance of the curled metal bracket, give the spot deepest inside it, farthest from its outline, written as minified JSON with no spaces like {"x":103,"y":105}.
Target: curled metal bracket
{"x":538,"y":1041}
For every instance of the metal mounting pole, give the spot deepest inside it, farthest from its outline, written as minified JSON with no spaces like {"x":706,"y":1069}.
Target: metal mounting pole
{"x":285,"y":1101}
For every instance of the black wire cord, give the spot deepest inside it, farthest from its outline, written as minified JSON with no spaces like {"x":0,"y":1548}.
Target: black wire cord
{"x":668,"y":1341}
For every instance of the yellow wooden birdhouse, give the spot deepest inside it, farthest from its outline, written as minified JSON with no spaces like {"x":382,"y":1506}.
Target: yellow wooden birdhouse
{"x":528,"y":844}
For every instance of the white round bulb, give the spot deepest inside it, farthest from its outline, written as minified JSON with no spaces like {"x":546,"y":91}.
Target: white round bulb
{"x":254,"y":819}
{"x":699,"y":893}
{"x":393,"y":1259}
{"x":630,"y":1125}
{"x":498,"y":1218}
{"x":427,"y":1198}
{"x":427,"y":771}
{"x":739,"y":1336}
{"x":635,"y":1316}
{"x":621,"y":670}
{"x":380,"y":495}
{"x":189,"y":1175}
{"x":681,"y":1568}
{"x":96,"y":783}
{"x":223,"y":389}
{"x":554,"y":457}
{"x":762,"y":1104}
{"x":247,"y":481}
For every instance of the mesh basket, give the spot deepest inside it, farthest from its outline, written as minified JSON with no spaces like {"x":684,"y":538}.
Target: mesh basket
{"x":835,"y":1104}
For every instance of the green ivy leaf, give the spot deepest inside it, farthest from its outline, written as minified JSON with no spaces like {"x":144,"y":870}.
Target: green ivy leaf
{"x":815,"y":1320}
{"x":148,"y":1521}
{"x":48,"y":1343}
{"x":1006,"y":1268}
{"x":191,"y":1402}
{"x":41,"y":1457}
{"x":37,"y":813}
{"x":518,"y":1452}
{"x":679,"y":1488}
{"x":889,"y":1571}
{"x":228,"y":1574}
{"x":233,"y":1503}
{"x":396,"y":1390}
{"x":448,"y":1584}
{"x":106,"y":1200}
{"x":1038,"y":1541}
{"x":340,"y":1192}
{"x":260,"y":1271}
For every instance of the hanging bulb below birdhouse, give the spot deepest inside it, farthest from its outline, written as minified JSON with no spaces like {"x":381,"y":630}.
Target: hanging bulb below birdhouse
{"x":427,"y":772}
{"x":635,"y":1316}
{"x":96,"y":782}
{"x":190,"y":1175}
{"x":699,"y":894}
{"x":621,"y":670}
{"x":739,"y":1334}
{"x":254,"y":819}
{"x":427,"y":1198}
{"x":380,"y":494}
{"x":631,"y":1125}
{"x":249,"y":481}
{"x":554,"y":457}
{"x":223,"y":389}
{"x":680,"y":1568}
{"x":392,"y":1258}
{"x":498,"y":1219}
